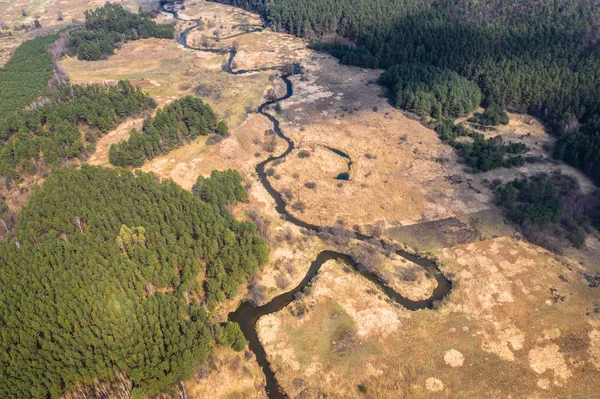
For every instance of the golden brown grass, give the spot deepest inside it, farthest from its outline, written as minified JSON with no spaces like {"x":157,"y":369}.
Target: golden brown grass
{"x":504,"y":330}
{"x":167,"y":71}
{"x":228,"y":374}
{"x":482,"y":342}
{"x":46,"y":11}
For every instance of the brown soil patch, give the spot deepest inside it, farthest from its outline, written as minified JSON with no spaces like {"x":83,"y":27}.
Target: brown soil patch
{"x":450,"y":232}
{"x":406,"y":278}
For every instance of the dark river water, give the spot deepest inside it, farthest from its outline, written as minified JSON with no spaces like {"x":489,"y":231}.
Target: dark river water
{"x":247,"y":315}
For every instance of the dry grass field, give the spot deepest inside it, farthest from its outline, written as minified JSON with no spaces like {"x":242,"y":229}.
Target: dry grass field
{"x":217,"y":26}
{"x":244,"y":379}
{"x":17,"y":12}
{"x":519,"y":322}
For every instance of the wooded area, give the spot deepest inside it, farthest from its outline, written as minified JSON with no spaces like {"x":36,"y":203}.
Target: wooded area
{"x":173,"y":126}
{"x":112,"y":24}
{"x":105,"y":273}
{"x":530,"y":56}
{"x":25,"y":76}
{"x":40,"y":140}
{"x":430,"y":91}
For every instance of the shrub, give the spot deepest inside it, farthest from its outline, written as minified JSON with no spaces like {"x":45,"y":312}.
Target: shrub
{"x":493,"y":115}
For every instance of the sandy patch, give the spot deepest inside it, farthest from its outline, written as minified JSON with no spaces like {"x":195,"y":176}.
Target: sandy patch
{"x":434,"y":385}
{"x":454,"y":358}
{"x":543,"y":358}
{"x":594,"y":349}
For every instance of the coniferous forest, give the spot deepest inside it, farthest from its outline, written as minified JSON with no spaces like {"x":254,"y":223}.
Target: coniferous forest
{"x":427,"y":90}
{"x":110,"y":282}
{"x":119,"y":283}
{"x":174,"y":125}
{"x":39,"y":140}
{"x":25,"y":76}
{"x":525,"y":55}
{"x":112,"y":24}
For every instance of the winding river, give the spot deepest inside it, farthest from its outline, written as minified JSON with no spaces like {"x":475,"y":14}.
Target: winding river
{"x":246,"y":314}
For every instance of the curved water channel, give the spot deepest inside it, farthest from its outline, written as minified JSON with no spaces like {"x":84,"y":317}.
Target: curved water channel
{"x":247,"y":315}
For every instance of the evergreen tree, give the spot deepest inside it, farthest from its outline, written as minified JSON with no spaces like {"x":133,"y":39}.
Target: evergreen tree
{"x":100,"y":285}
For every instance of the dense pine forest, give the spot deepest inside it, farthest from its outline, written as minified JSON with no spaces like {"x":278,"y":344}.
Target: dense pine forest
{"x":25,"y":76}
{"x":110,"y":282}
{"x":430,"y":91}
{"x":529,"y":56}
{"x":174,"y":125}
{"x":41,"y":139}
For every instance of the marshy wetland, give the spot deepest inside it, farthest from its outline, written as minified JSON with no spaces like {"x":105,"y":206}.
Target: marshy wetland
{"x":392,"y":270}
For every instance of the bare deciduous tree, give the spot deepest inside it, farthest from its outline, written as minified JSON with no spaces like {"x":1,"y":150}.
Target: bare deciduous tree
{"x":77,"y":221}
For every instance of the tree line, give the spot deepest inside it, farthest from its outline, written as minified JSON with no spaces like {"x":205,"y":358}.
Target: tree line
{"x":110,"y":25}
{"x":526,"y":55}
{"x":173,"y":126}
{"x":111,"y":271}
{"x":42,"y":139}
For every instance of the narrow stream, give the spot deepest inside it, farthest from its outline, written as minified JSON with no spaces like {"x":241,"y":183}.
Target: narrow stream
{"x":343,"y":175}
{"x":247,"y":315}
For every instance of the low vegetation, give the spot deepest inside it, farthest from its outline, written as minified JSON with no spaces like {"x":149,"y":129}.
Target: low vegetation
{"x":105,"y":274}
{"x":173,"y":126}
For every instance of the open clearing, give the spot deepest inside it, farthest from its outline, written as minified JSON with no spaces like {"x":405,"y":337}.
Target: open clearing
{"x":16,"y":12}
